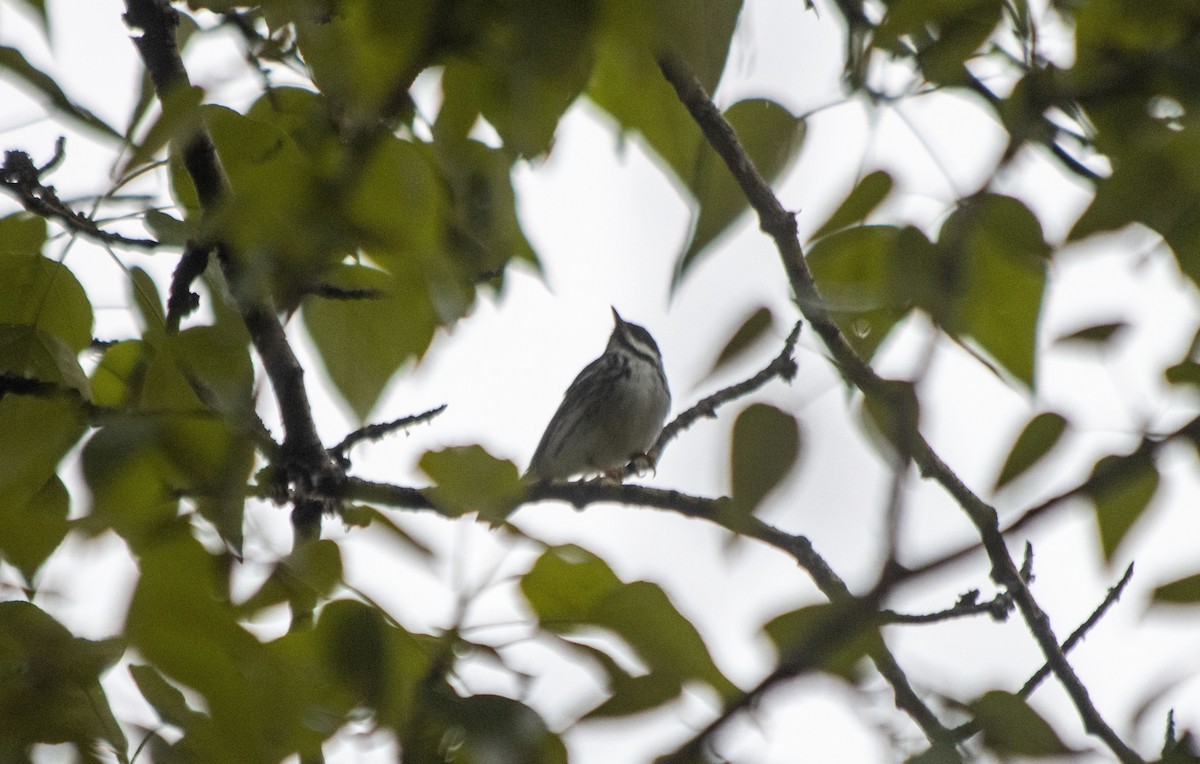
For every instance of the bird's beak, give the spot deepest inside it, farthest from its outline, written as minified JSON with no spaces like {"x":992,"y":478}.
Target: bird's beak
{"x":616,"y":316}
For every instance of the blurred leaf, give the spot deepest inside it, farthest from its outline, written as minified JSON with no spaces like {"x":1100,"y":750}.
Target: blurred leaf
{"x":627,"y":83}
{"x":1155,"y":180}
{"x":524,"y":65}
{"x":181,"y":620}
{"x":146,"y":298}
{"x":307,"y":575}
{"x":751,"y":331}
{"x":855,"y":208}
{"x":771,"y":136}
{"x":499,"y":730}
{"x":44,"y":295}
{"x":22,"y":233}
{"x":824,"y":630}
{"x":51,"y":691}
{"x":167,"y":700}
{"x":364,"y":56}
{"x":1039,"y":435}
{"x":14,"y":62}
{"x":469,"y":479}
{"x":857,"y":271}
{"x":1010,"y":727}
{"x":177,"y":121}
{"x":1184,"y":373}
{"x":1098,"y":335}
{"x":38,"y":433}
{"x":169,"y":231}
{"x":1184,"y":591}
{"x":572,"y":590}
{"x":766,"y":445}
{"x":989,"y":279}
{"x":138,"y":468}
{"x":26,"y":351}
{"x":892,"y":415}
{"x":33,"y":530}
{"x":363,"y":516}
{"x":944,"y":33}
{"x":1121,"y":488}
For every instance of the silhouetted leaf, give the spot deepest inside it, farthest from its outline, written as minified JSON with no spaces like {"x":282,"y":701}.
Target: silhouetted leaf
{"x":752,"y":329}
{"x":469,"y":479}
{"x":766,"y":445}
{"x":863,"y":199}
{"x":1035,"y":441}
{"x":573,"y":591}
{"x":771,"y":136}
{"x":1011,"y":727}
{"x":1183,"y":591}
{"x":1098,"y":335}
{"x":825,"y":637}
{"x":1121,"y":488}
{"x":14,"y":62}
{"x":989,"y":279}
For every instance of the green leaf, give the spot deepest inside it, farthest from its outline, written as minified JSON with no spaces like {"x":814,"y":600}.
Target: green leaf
{"x":989,"y":279}
{"x":44,"y":295}
{"x":34,"y":529}
{"x":181,"y":621}
{"x":138,"y":468}
{"x":1155,"y":182}
{"x":862,"y":200}
{"x":51,"y":691}
{"x":525,"y":65}
{"x":168,"y":230}
{"x":1121,"y":488}
{"x":945,"y":33}
{"x":362,"y":342}
{"x":469,"y":479}
{"x":1010,"y":727}
{"x":750,"y":332}
{"x":820,"y":635}
{"x":892,"y":416}
{"x":771,"y":136}
{"x":1098,"y":335}
{"x":498,"y":729}
{"x":38,"y":433}
{"x":861,"y":271}
{"x":14,"y":62}
{"x":310,"y":573}
{"x":168,"y":701}
{"x":177,"y":121}
{"x":146,"y":298}
{"x":572,"y":591}
{"x":766,"y":445}
{"x":1035,"y":441}
{"x":30,"y":352}
{"x":627,"y":83}
{"x":1184,"y":591}
{"x":22,"y":234}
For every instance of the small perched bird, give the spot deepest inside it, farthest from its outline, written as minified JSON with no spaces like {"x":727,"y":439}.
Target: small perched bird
{"x":611,"y":413}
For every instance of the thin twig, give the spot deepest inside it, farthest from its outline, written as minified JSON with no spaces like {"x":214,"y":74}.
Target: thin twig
{"x":22,"y":178}
{"x":377,"y":431}
{"x":781,"y":226}
{"x":783,"y":367}
{"x":997,"y":607}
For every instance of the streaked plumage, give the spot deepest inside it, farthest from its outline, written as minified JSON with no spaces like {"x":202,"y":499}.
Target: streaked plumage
{"x":612,"y":412}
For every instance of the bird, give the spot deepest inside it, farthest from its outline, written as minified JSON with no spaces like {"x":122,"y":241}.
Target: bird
{"x":611,"y":414}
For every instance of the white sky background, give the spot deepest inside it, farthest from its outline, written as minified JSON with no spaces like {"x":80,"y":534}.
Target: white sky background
{"x":608,"y":224}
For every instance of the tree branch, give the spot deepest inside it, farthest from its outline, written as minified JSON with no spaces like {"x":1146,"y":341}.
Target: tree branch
{"x":23,"y":179}
{"x":306,"y":464}
{"x":781,"y":226}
